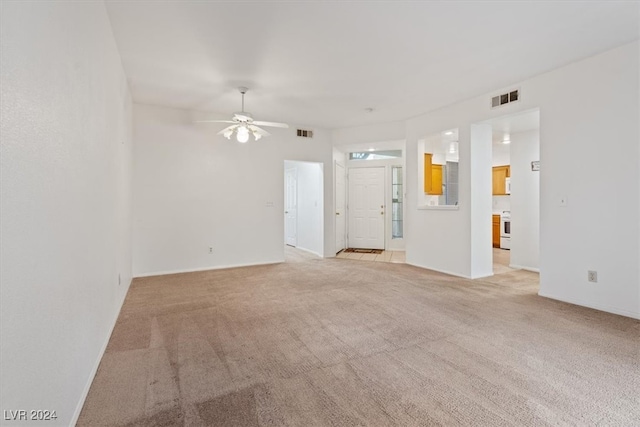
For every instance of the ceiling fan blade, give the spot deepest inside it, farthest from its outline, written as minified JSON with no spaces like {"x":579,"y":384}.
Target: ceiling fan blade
{"x":272,"y":124}
{"x":228,"y":128}
{"x":258,"y":130}
{"x":214,"y":121}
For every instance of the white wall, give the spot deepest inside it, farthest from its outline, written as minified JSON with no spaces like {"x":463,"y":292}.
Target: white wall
{"x":310,"y":206}
{"x":194,"y":189}
{"x":501,"y":154}
{"x":588,"y":148}
{"x":393,"y":131}
{"x":480,"y":203}
{"x":438,"y":239}
{"x":66,"y":201}
{"x":525,"y":201}
{"x":583,"y":106}
{"x":501,"y":203}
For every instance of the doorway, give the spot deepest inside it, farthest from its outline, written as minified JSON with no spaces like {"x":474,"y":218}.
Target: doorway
{"x":516,"y":190}
{"x":366,"y":208}
{"x":303,"y":206}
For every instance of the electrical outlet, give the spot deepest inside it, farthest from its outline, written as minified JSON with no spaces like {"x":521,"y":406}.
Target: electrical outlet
{"x":210,"y":249}
{"x":592,"y":276}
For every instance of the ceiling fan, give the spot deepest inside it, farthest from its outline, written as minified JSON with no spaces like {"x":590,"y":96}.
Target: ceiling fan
{"x":244,"y":125}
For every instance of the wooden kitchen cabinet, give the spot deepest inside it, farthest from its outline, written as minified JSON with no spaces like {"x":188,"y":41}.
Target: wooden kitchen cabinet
{"x":500,"y":175}
{"x":496,"y":231}
{"x":432,"y":176}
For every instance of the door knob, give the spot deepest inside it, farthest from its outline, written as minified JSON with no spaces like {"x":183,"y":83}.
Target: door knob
{"x":381,"y":213}
{"x":286,"y":211}
{"x":337,"y":213}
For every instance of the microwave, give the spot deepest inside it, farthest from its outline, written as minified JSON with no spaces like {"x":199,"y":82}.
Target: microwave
{"x":507,"y":185}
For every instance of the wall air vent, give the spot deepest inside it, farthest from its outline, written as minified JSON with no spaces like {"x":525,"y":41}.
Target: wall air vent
{"x":305,"y":133}
{"x":505,"y":98}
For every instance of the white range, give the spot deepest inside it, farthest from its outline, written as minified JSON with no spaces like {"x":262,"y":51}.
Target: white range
{"x":505,"y":230}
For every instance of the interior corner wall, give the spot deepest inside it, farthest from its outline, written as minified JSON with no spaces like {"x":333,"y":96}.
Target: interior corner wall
{"x":66,"y":201}
{"x":195,"y":190}
{"x":588,"y":116}
{"x":525,"y":201}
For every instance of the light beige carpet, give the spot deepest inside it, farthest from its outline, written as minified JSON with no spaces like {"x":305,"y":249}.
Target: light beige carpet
{"x":341,"y":342}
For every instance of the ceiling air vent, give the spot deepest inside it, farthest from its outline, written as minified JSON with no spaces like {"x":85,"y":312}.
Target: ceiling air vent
{"x":305,"y":133}
{"x":505,"y":98}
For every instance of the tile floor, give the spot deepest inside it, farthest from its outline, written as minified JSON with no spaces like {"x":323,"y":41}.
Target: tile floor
{"x":385,"y":256}
{"x":500,"y":258}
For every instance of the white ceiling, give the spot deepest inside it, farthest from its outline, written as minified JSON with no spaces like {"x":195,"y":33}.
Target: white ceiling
{"x":507,"y":125}
{"x":323,"y":63}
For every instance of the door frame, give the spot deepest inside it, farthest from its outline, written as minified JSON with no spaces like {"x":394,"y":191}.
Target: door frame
{"x":385,"y":194}
{"x":344,"y":213}
{"x":286,"y":212}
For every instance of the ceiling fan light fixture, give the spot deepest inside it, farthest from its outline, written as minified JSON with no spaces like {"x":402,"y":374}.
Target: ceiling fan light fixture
{"x":243,"y":125}
{"x":227,"y":134}
{"x":242,"y":134}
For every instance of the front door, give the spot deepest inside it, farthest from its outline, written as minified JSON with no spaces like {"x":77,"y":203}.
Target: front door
{"x":291,"y":206}
{"x":366,"y":208}
{"x":340,"y":208}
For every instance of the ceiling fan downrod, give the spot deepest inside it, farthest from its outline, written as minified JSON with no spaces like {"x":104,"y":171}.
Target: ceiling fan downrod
{"x":243,"y":90}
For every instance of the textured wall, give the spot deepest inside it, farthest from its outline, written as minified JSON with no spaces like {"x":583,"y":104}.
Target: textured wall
{"x":66,"y":221}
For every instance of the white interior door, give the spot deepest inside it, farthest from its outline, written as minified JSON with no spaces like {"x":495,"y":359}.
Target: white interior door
{"x":366,"y":208}
{"x":291,"y":206}
{"x":341,"y":220}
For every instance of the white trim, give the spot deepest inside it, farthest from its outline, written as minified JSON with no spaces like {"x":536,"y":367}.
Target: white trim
{"x":94,"y":371}
{"x":522,"y":267}
{"x":484,"y":276}
{"x":216,"y":267}
{"x":606,"y":309}
{"x":441,"y":271}
{"x":308,"y":251}
{"x":439,"y":207}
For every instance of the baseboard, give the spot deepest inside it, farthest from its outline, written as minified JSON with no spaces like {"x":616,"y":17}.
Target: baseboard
{"x":439,"y":271}
{"x":193,"y":270}
{"x":309,"y":251}
{"x":606,"y":309}
{"x":483,"y":276}
{"x":523,"y":267}
{"x":94,"y":371}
